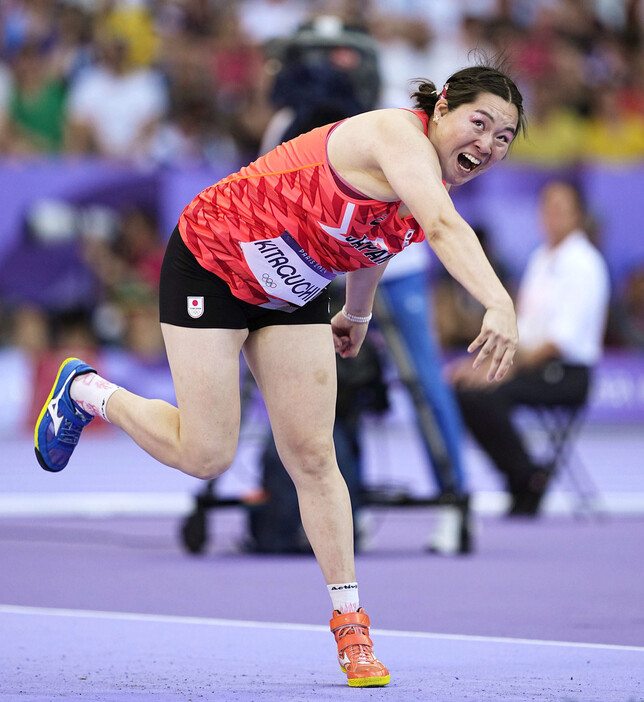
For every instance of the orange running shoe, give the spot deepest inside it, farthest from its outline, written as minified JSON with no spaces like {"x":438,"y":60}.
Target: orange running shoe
{"x":355,"y":650}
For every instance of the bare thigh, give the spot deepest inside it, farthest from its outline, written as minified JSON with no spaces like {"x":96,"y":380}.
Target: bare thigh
{"x":294,"y":367}
{"x":205,"y":371}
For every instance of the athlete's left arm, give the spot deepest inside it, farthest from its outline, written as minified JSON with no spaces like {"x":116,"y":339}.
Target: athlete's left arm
{"x":361,"y":287}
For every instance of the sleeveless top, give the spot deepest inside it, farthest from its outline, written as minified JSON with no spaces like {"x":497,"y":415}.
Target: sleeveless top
{"x":280,"y":229}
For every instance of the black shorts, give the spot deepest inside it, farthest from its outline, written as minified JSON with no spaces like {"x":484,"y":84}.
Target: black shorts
{"x":184,"y":281}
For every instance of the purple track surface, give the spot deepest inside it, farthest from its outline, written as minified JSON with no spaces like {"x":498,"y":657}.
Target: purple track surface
{"x":109,"y":610}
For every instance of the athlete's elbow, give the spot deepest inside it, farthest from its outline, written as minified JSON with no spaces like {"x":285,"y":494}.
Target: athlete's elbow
{"x":442,"y":226}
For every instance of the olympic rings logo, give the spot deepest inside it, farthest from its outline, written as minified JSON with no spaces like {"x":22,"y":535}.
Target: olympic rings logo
{"x":268,"y":281}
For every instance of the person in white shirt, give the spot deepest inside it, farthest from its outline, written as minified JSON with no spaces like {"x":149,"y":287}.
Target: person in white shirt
{"x":561,"y":314}
{"x":113,"y":108}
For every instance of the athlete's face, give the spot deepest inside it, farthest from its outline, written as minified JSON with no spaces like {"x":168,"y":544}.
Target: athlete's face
{"x":470,"y":139}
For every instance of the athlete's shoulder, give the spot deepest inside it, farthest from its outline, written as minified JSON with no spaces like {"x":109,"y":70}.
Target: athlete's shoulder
{"x":389,"y":115}
{"x":376,"y":127}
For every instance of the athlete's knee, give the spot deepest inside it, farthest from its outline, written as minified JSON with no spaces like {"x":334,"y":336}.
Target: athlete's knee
{"x":311,"y":458}
{"x":206,"y":461}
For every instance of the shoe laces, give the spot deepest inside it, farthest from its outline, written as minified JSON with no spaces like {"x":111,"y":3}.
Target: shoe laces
{"x":69,"y":432}
{"x":358,"y":653}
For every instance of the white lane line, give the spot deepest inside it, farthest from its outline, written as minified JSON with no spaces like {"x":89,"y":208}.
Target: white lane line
{"x":204,"y":621}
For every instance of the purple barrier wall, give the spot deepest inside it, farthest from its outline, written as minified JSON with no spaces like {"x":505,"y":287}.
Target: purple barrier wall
{"x":616,"y":197}
{"x":504,"y":202}
{"x":22,"y":183}
{"x":53,"y":275}
{"x":617,"y":395}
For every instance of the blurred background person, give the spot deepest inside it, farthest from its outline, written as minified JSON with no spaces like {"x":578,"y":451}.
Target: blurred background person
{"x":613,"y":134}
{"x":561,"y":312}
{"x":35,"y":116}
{"x":114,"y":105}
{"x":626,"y":322}
{"x":6,"y":86}
{"x":127,"y":265}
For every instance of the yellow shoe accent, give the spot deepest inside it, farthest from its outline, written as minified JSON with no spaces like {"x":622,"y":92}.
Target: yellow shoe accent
{"x":48,"y":400}
{"x":369,"y":682}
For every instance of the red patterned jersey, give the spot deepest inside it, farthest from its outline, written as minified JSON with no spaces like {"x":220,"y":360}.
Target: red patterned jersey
{"x":280,"y":229}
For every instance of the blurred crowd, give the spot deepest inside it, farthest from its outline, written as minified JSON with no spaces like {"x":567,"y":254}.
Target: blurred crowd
{"x":184,"y":83}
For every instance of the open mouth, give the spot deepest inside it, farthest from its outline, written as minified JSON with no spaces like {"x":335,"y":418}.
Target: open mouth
{"x":467,"y":162}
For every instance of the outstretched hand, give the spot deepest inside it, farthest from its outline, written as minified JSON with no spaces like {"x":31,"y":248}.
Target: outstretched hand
{"x":347,"y":336}
{"x":498,"y":340}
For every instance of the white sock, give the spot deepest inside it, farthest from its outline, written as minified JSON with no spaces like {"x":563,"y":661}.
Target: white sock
{"x":91,"y":393}
{"x":344,"y":597}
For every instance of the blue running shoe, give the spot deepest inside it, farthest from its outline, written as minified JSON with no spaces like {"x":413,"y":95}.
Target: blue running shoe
{"x":61,"y":420}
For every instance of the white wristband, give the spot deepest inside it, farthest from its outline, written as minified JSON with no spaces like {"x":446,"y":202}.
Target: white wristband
{"x":355,"y":319}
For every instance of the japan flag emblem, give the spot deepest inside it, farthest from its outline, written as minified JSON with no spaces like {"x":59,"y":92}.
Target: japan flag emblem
{"x":195,"y":307}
